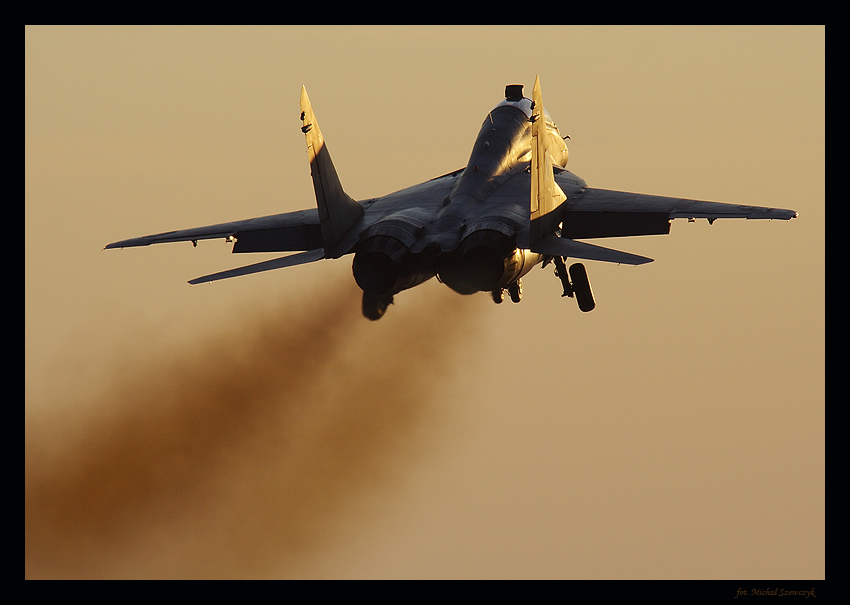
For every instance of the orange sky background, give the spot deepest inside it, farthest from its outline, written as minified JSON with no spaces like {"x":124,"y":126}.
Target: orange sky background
{"x":259,"y":427}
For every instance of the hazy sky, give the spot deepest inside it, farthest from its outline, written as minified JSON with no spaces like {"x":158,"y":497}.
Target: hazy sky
{"x":259,"y":427}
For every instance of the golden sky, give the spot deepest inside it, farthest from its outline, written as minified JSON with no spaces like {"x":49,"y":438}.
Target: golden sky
{"x":259,"y":427}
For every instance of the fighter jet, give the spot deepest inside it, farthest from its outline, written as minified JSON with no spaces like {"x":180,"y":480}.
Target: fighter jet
{"x":477,"y":229}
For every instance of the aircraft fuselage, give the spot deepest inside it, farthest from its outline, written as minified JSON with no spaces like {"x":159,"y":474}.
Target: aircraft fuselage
{"x":470,"y":241}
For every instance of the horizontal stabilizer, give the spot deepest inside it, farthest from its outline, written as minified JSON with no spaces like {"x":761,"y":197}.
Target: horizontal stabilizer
{"x":276,"y":263}
{"x":561,"y":246}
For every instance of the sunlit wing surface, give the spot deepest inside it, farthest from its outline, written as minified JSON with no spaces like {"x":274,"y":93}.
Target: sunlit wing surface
{"x":477,"y":229}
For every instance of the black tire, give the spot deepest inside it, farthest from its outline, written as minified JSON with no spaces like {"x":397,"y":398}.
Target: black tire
{"x":581,"y":287}
{"x":515,"y":290}
{"x":374,"y":307}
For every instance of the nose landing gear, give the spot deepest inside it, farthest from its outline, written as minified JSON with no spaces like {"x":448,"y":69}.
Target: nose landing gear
{"x":514,"y":290}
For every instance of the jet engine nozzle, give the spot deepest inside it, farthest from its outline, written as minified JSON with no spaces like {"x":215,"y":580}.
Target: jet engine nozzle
{"x":376,"y":264}
{"x":479,"y":263}
{"x":485,"y":260}
{"x":384,"y":266}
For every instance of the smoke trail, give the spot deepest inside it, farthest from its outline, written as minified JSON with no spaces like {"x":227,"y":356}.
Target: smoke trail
{"x":242,"y":452}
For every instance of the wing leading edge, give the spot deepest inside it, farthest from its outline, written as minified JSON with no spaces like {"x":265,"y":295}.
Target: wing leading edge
{"x":605,"y":200}
{"x":290,"y":231}
{"x":597,"y":213}
{"x":287,"y":232}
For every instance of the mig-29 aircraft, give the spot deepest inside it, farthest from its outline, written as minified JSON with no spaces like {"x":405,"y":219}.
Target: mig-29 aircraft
{"x":478,"y":229}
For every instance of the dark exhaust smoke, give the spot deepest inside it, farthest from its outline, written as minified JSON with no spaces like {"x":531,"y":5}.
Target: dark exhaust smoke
{"x":245,"y":452}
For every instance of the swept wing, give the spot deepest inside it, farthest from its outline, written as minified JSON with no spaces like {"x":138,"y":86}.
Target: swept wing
{"x":275,"y":233}
{"x":595,"y":213}
{"x":605,"y":200}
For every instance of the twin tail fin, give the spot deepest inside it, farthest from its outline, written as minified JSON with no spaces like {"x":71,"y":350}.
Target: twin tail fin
{"x":338,"y":212}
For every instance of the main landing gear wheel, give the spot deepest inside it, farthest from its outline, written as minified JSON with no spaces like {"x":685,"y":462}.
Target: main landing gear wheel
{"x":515,"y":290}
{"x":581,"y":287}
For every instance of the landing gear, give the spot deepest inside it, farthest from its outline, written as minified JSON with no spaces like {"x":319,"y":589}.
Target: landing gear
{"x":374,"y":307}
{"x":578,"y":287}
{"x":561,"y":273}
{"x":581,"y":287}
{"x":514,"y":290}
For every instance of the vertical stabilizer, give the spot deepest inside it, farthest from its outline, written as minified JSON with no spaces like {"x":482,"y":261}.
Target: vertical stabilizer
{"x":546,"y":195}
{"x":337,"y":211}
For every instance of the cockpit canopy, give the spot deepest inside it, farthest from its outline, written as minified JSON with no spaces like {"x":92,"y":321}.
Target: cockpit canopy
{"x":515,"y":98}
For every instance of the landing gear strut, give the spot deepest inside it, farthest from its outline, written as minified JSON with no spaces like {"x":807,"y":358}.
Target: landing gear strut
{"x":561,"y":273}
